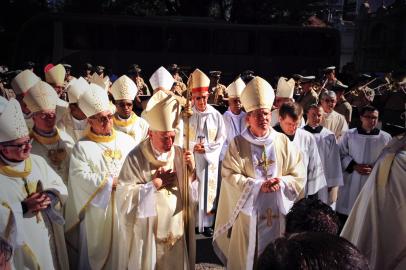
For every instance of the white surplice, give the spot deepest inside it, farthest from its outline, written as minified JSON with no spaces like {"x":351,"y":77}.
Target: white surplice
{"x":335,"y":122}
{"x":134,"y":126}
{"x":234,"y":124}
{"x":362,"y":149}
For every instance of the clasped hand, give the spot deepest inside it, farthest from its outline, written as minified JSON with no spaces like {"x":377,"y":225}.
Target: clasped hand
{"x":163,"y":178}
{"x":37,"y":201}
{"x":270,"y":185}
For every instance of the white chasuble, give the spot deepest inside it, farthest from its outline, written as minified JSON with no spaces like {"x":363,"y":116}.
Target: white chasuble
{"x":250,"y":219}
{"x":134,"y":126}
{"x":208,"y":128}
{"x":152,"y":235}
{"x":362,"y":149}
{"x":40,"y":242}
{"x":95,"y":161}
{"x":56,"y":150}
{"x":376,"y":224}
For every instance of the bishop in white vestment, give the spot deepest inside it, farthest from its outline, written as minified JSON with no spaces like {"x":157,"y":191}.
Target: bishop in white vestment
{"x":262,"y":176}
{"x":49,"y":142}
{"x":150,"y":192}
{"x":207,"y":135}
{"x":93,"y":175}
{"x":33,"y":194}
{"x":125,"y":120}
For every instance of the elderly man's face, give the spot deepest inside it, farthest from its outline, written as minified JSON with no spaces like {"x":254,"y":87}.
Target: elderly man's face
{"x":45,"y":120}
{"x":259,"y":121}
{"x":17,"y":150}
{"x":328,"y":103}
{"x":162,"y":140}
{"x":101,"y":123}
{"x":315,"y":116}
{"x":235,"y":105}
{"x":124,"y":108}
{"x":200,"y":100}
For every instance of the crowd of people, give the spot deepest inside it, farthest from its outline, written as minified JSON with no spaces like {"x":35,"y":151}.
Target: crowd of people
{"x":108,"y":172}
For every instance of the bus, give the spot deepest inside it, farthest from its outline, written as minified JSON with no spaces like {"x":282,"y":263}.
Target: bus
{"x":119,"y":41}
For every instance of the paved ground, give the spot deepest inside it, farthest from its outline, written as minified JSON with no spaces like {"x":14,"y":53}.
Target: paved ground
{"x":205,"y":256}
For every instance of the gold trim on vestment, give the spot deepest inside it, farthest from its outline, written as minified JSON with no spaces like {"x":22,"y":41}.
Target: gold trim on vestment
{"x":30,"y":254}
{"x":45,"y":140}
{"x":125,"y":122}
{"x":101,"y":138}
{"x":7,"y":231}
{"x":11,"y":172}
{"x":81,"y":212}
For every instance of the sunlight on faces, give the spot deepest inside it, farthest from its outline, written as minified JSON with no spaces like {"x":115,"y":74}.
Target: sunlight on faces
{"x":16,"y":150}
{"x":124,"y":108}
{"x":44,"y":120}
{"x":315,"y":116}
{"x":76,"y":112}
{"x":369,"y":120}
{"x":235,"y":105}
{"x":259,"y":121}
{"x":101,"y":123}
{"x":280,"y":100}
{"x":162,"y":140}
{"x":289,"y":125}
{"x":328,"y":104}
{"x":200,"y":100}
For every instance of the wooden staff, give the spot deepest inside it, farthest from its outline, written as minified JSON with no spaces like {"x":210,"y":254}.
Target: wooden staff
{"x":187,"y":113}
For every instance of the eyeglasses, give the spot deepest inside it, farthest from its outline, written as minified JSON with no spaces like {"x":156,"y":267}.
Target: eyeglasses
{"x":327,"y":100}
{"x":103,"y":119}
{"x":21,"y":146}
{"x":44,"y":116}
{"x":124,"y":104}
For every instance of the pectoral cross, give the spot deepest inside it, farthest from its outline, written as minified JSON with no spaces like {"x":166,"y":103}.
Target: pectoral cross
{"x":201,"y":139}
{"x":264,"y":162}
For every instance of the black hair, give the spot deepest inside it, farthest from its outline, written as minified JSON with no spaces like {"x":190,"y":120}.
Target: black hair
{"x":291,"y":109}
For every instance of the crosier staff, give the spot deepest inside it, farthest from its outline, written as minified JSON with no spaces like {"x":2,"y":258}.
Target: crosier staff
{"x":187,"y":113}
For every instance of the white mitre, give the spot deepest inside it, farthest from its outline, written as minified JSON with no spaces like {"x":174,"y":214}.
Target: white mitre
{"x":24,"y":81}
{"x":94,"y":101}
{"x":235,"y":89}
{"x":162,"y":112}
{"x":56,"y":75}
{"x":76,"y":89}
{"x":124,"y":88}
{"x":103,"y":82}
{"x":285,"y":88}
{"x":161,"y":79}
{"x":41,"y":97}
{"x":258,"y":94}
{"x":12,"y":122}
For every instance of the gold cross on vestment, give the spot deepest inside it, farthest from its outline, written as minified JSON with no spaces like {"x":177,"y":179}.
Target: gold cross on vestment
{"x":264,"y":162}
{"x":269,"y":216}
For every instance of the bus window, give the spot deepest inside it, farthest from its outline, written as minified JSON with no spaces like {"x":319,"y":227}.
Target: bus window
{"x":143,"y":38}
{"x":188,"y":40}
{"x":82,"y":36}
{"x":226,"y":41}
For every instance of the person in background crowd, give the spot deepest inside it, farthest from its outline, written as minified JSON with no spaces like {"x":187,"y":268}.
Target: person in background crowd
{"x":332,"y":120}
{"x":329,"y":154}
{"x":343,"y":107}
{"x":217,"y":91}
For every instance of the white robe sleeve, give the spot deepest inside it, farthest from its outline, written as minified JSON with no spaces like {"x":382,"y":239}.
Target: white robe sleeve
{"x":345,"y":156}
{"x":147,"y":201}
{"x":316,"y":179}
